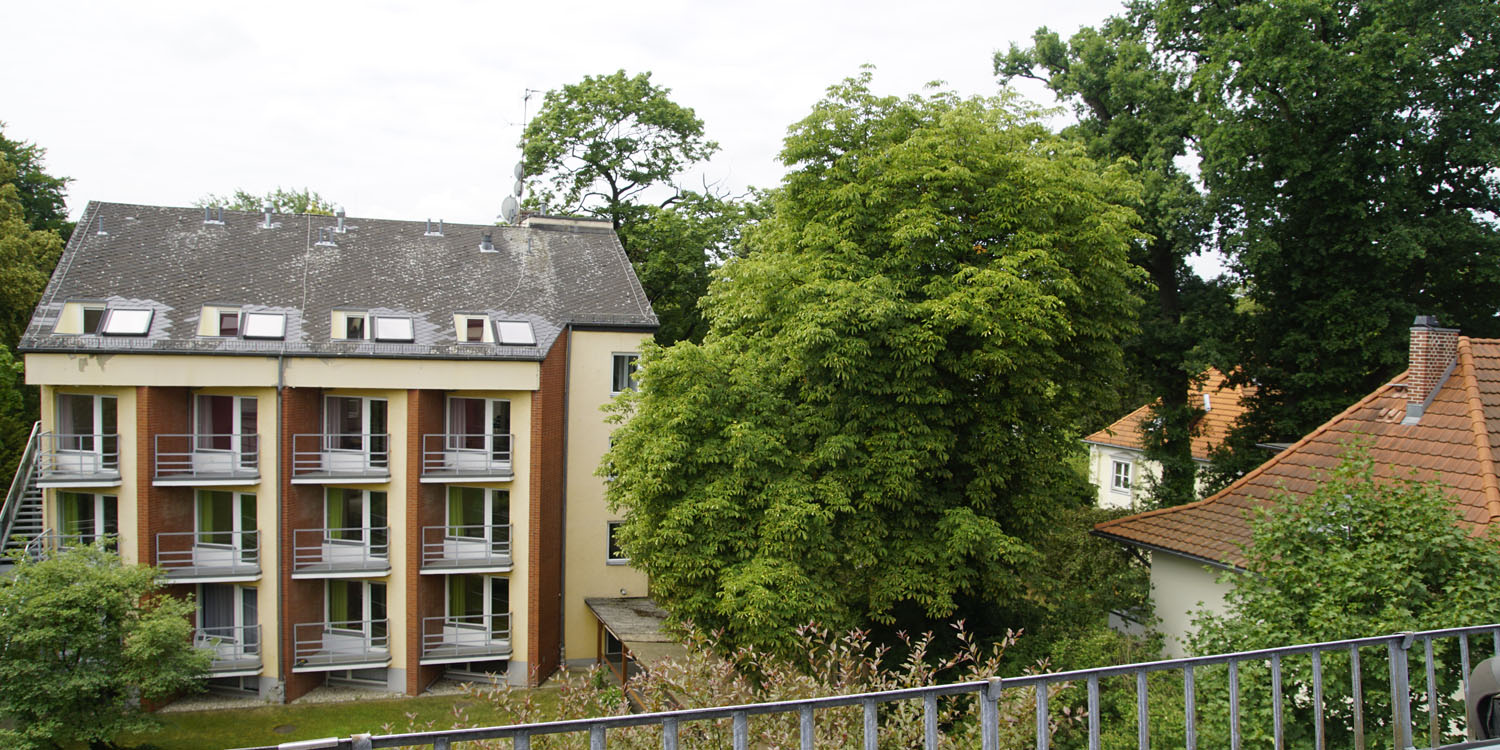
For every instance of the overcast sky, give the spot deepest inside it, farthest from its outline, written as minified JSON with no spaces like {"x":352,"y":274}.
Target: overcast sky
{"x":413,"y":110}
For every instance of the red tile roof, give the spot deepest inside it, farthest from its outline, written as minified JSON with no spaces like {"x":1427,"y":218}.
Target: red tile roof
{"x":1210,"y":430}
{"x":1453,"y":443}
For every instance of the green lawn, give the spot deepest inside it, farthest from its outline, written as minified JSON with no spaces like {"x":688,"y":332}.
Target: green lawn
{"x":271,"y":725}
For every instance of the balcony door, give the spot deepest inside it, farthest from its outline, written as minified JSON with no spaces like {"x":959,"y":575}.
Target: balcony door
{"x":88,"y":427}
{"x":86,"y":517}
{"x":480,"y":602}
{"x":226,"y":424}
{"x":227,"y":619}
{"x":357,"y":609}
{"x":358,"y":425}
{"x":480,"y":516}
{"x":481,"y":425}
{"x":224,"y":522}
{"x":355,"y":516}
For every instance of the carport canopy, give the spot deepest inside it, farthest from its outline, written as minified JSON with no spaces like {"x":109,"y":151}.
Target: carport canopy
{"x":636,"y":622}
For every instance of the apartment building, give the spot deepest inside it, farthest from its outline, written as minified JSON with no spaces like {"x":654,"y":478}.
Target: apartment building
{"x":367,"y":448}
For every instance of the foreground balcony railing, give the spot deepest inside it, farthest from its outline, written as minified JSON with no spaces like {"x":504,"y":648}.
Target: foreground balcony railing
{"x":351,"y":552}
{"x":207,"y":459}
{"x":348,"y":644}
{"x":70,"y":460}
{"x":345,"y":458}
{"x":465,"y":549}
{"x":465,"y":638}
{"x":236,"y":649}
{"x":209,"y":556}
{"x":1324,"y":679}
{"x":49,"y":543}
{"x":448,"y":457}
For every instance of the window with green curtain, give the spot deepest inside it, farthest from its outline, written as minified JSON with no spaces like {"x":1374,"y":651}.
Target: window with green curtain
{"x":337,"y":514}
{"x":377,"y":521}
{"x":346,"y":603}
{"x":466,"y":512}
{"x":215,"y":517}
{"x":76,"y":513}
{"x":249,"y":541}
{"x":499,"y":606}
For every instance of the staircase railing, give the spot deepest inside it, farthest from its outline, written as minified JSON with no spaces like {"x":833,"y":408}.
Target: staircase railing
{"x":25,"y":472}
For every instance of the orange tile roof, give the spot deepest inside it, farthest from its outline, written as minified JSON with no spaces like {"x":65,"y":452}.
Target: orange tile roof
{"x":1210,"y":430}
{"x":1452,"y":443}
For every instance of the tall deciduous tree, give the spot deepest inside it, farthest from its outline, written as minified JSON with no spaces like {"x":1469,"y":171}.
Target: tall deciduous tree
{"x":82,"y":640}
{"x":1349,"y":147}
{"x":612,"y":147}
{"x":282,"y":201}
{"x":43,"y":197}
{"x":878,"y":417}
{"x":1130,"y":106}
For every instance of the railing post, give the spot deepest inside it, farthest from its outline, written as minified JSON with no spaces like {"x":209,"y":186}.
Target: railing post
{"x":872,"y":726}
{"x":596,"y":737}
{"x":1142,"y":712}
{"x":669,"y":734}
{"x":1042,"y":737}
{"x":1400,"y":692}
{"x":989,"y":715}
{"x":361,"y":741}
{"x":1234,"y":704}
{"x":929,"y":722}
{"x":1277,"y":738}
{"x":1093,"y":712}
{"x":1189,"y":709}
{"x":1356,"y":690}
{"x":741,"y":731}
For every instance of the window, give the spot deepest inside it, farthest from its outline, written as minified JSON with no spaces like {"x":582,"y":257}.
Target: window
{"x":472,"y":329}
{"x":357,"y":607}
{"x":516,"y":333}
{"x":349,"y":325}
{"x":615,"y":555}
{"x":227,"y":618}
{"x":479,"y":513}
{"x":352,"y":423}
{"x":479,"y":601}
{"x":225,"y":518}
{"x":93,"y":315}
{"x":624,"y":373}
{"x":354,"y":515}
{"x":259,"y":325}
{"x":1120,"y":476}
{"x":393,"y":329}
{"x":229,"y":322}
{"x":222,"y":422}
{"x":479,"y":424}
{"x":87,"y":424}
{"x":87,"y":517}
{"x":127,"y":322}
{"x":79,"y":318}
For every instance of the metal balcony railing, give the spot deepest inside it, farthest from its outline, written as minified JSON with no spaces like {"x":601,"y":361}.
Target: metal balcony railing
{"x":49,"y":543}
{"x":346,"y":644}
{"x":449,"y":547}
{"x":465,"y":637}
{"x":352,"y":551}
{"x":84,"y":460}
{"x":191,"y":459}
{"x":235,"y":649}
{"x":467,"y":456}
{"x":194,"y":555}
{"x":341,"y":457}
{"x":1286,"y":678}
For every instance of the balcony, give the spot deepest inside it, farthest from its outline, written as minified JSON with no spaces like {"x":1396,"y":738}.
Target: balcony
{"x":446,"y":640}
{"x":467,"y":458}
{"x":353,"y":552}
{"x":351,"y":644}
{"x":49,"y":543}
{"x":74,"y":460}
{"x":236,"y":650}
{"x":341,"y":458}
{"x":208,"y":556}
{"x":465,"y":549}
{"x":207,"y":460}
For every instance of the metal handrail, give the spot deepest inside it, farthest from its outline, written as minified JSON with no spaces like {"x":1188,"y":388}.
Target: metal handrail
{"x":355,"y":638}
{"x":196,"y":551}
{"x":314,"y":548}
{"x":320,"y":453}
{"x":25,"y":470}
{"x":79,"y":454}
{"x":49,"y":541}
{"x":477,"y":454}
{"x":476,"y":634}
{"x":231,"y":645}
{"x":1400,"y":649}
{"x":184,"y":455}
{"x":449,"y":544}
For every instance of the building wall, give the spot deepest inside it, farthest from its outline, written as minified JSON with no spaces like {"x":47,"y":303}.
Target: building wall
{"x":1143,"y":473}
{"x":1179,"y":588}
{"x":584,"y":545}
{"x":545,"y":515}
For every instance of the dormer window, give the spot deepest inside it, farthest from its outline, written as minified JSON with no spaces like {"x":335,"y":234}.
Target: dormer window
{"x":393,"y":329}
{"x":473,"y":329}
{"x":354,"y":326}
{"x":516,"y":333}
{"x":350,"y":324}
{"x":122,"y":322}
{"x":93,"y":315}
{"x":259,"y":325}
{"x":229,"y":322}
{"x":79,"y":318}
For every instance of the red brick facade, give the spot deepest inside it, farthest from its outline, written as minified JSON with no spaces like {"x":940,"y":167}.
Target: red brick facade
{"x":548,"y":486}
{"x":301,"y":508}
{"x":158,"y":411}
{"x":424,"y":507}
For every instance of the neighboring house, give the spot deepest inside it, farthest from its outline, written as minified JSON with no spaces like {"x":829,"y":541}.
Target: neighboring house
{"x":1118,"y":467}
{"x":366,"y":447}
{"x":1438,"y":422}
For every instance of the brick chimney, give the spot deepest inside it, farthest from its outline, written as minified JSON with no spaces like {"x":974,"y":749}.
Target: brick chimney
{"x":1433,"y":353}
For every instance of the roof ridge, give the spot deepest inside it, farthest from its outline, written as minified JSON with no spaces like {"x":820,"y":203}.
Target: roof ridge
{"x":1257,"y":471}
{"x":1480,"y":427}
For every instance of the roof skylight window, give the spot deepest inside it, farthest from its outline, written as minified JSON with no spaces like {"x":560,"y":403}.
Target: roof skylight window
{"x":516,"y":333}
{"x":260,"y":325}
{"x":393,"y":329}
{"x":127,"y":322}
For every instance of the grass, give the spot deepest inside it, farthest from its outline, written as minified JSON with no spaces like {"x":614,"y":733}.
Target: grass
{"x":271,"y":725}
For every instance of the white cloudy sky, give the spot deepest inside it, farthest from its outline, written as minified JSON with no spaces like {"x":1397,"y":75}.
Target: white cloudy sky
{"x":412,"y":110}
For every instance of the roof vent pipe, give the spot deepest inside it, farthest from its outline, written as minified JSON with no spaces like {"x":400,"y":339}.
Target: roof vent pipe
{"x":1433,"y":353}
{"x":100,"y":231}
{"x":340,"y":214}
{"x":267,"y":210}
{"x":487,"y":245}
{"x":430,"y":233}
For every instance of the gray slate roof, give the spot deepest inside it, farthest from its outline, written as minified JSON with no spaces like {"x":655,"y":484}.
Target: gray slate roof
{"x":171,"y":261}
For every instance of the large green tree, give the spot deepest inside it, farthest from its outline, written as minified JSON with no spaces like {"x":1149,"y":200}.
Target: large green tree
{"x":613,"y":147}
{"x":43,"y":197}
{"x":1129,"y":105}
{"x":878,"y":418}
{"x":1349,"y":148}
{"x":281,"y":200}
{"x":82,"y":640}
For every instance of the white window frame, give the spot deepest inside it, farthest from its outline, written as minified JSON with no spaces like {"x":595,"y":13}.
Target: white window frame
{"x":1116,"y":475}
{"x":633,"y":363}
{"x":99,"y":504}
{"x":489,"y":596}
{"x":95,"y":438}
{"x":128,"y":316}
{"x":84,"y":309}
{"x":236,"y":513}
{"x":513,"y":326}
{"x":461,"y":324}
{"x":404,"y":329}
{"x":366,"y":435}
{"x":610,"y":529}
{"x":342,"y":318}
{"x":253,"y":321}
{"x":239,"y":321}
{"x":367,"y":607}
{"x":237,"y":421}
{"x":490,"y":405}
{"x":366,"y":523}
{"x":492,"y":498}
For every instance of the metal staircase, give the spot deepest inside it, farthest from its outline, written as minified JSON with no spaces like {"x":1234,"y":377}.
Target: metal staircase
{"x":21,"y":516}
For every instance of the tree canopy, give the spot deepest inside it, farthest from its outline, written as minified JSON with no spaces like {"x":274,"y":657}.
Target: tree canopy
{"x":877,"y":416}
{"x":82,"y":640}
{"x":282,"y":201}
{"x":43,"y":198}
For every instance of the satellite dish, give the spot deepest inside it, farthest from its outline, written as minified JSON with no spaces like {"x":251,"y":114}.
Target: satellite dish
{"x":516,"y":191}
{"x":509,"y":209}
{"x":520,"y":171}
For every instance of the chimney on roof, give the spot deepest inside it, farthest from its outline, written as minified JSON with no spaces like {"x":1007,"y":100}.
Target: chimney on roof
{"x":268,"y":210}
{"x":487,"y":244}
{"x":1433,"y":353}
{"x":340,"y":214}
